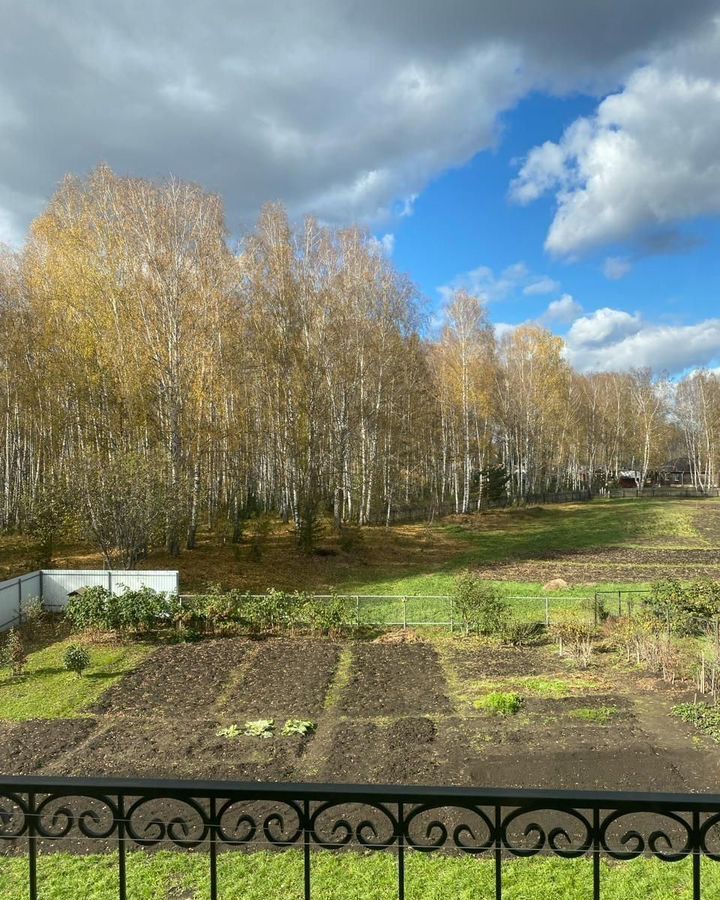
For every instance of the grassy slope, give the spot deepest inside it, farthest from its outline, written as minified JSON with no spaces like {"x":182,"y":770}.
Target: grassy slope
{"x":349,"y":876}
{"x":416,"y":559}
{"x":47,"y":691}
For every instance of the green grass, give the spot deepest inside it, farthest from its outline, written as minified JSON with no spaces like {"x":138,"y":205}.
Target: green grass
{"x":527,"y":685}
{"x":47,"y":691}
{"x":500,"y":703}
{"x":348,"y":876}
{"x":600,"y":715}
{"x":527,"y":534}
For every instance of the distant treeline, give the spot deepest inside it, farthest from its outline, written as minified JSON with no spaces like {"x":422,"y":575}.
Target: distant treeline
{"x":154,"y":379}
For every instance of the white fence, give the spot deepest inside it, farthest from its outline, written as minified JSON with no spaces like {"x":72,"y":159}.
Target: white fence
{"x":53,"y":587}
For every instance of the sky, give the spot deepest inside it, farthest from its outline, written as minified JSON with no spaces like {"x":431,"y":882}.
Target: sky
{"x":559,"y":159}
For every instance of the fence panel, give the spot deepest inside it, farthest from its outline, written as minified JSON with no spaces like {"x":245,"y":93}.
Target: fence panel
{"x":15,"y":594}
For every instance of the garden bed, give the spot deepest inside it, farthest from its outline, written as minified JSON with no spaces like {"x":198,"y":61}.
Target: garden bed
{"x":387,"y":680}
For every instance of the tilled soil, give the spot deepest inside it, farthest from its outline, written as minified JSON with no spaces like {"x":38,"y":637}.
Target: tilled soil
{"x":182,"y":679}
{"x":397,"y":720}
{"x":621,"y":564}
{"x":387,"y":680}
{"x":283,"y":679}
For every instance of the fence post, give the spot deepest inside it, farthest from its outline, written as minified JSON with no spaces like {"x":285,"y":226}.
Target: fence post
{"x":547,"y":611}
{"x":357,"y":611}
{"x":452,"y":614}
{"x":19,"y":586}
{"x":42,"y":586}
{"x":109,"y":575}
{"x":619,"y":604}
{"x":404,"y":603}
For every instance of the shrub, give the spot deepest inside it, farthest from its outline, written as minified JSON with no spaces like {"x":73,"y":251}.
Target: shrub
{"x":329,"y":616}
{"x":683,"y":609}
{"x":76,"y":659}
{"x":702,"y":716}
{"x":518,"y":633}
{"x":89,"y":608}
{"x":577,"y":639}
{"x":132,"y":610}
{"x":14,"y":653}
{"x":500,"y":703}
{"x":478,"y":605}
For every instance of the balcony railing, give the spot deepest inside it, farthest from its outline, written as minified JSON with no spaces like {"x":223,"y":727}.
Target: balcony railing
{"x":41,"y":815}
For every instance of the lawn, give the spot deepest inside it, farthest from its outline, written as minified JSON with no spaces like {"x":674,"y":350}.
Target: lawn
{"x":48,"y":691}
{"x":348,"y":876}
{"x":601,"y":544}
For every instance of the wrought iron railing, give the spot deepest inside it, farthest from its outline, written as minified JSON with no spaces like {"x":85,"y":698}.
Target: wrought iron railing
{"x":39,"y":815}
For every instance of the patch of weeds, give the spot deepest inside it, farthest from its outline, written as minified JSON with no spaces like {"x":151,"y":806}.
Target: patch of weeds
{"x":703,"y":716}
{"x":500,"y":703}
{"x":232,"y":731}
{"x":298,"y":726}
{"x":341,"y":679}
{"x":263,"y":728}
{"x":601,"y":715}
{"x":547,"y":688}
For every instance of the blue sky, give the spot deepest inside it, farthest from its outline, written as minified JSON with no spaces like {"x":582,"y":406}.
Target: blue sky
{"x":558,"y":158}
{"x":465,"y":219}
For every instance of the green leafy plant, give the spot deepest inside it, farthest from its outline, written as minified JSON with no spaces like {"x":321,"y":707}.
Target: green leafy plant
{"x":132,"y":610}
{"x":478,"y":604}
{"x":500,"y":703}
{"x":328,"y":616}
{"x":231,"y":731}
{"x":703,"y":716}
{"x":298,"y":726}
{"x":76,"y":659}
{"x":263,"y":728}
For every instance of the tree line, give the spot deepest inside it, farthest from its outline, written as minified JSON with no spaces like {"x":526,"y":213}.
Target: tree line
{"x":155,"y":379}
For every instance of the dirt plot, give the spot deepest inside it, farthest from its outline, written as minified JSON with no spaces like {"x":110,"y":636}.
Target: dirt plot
{"x":619,"y":564}
{"x":27,"y":748}
{"x":181,"y":679}
{"x":177,"y":748}
{"x":401,"y":713}
{"x":387,"y":680}
{"x":282,"y":679}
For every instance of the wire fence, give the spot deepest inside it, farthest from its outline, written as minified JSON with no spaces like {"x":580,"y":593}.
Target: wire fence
{"x":438,"y":610}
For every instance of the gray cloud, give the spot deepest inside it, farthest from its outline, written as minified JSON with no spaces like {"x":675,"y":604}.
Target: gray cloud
{"x":342,"y":109}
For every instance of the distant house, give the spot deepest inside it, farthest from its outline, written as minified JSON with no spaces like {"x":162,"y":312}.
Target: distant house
{"x":628,"y":478}
{"x":676,"y":472}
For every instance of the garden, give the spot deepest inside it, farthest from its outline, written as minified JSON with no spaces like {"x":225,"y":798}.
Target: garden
{"x":287,"y":688}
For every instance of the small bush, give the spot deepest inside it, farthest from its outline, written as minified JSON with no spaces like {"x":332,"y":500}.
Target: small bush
{"x":76,"y":659}
{"x":263,"y":728}
{"x":298,"y":726}
{"x":577,"y":639}
{"x":500,"y":703}
{"x":478,"y":605}
{"x":14,"y":654}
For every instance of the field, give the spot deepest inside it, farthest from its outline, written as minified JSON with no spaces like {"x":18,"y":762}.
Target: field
{"x":414,"y":707}
{"x":599,"y":544}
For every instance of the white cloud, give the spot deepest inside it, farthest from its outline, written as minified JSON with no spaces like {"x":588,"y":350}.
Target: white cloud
{"x":339,"y":109}
{"x":616,"y":267}
{"x":384,"y":245}
{"x":646,"y":159}
{"x":673,"y":348}
{"x":562,"y":311}
{"x":542,"y":285}
{"x":514,"y":279}
{"x":602,"y":327}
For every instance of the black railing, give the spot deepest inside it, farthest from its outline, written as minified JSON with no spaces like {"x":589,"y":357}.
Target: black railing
{"x":40,"y":815}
